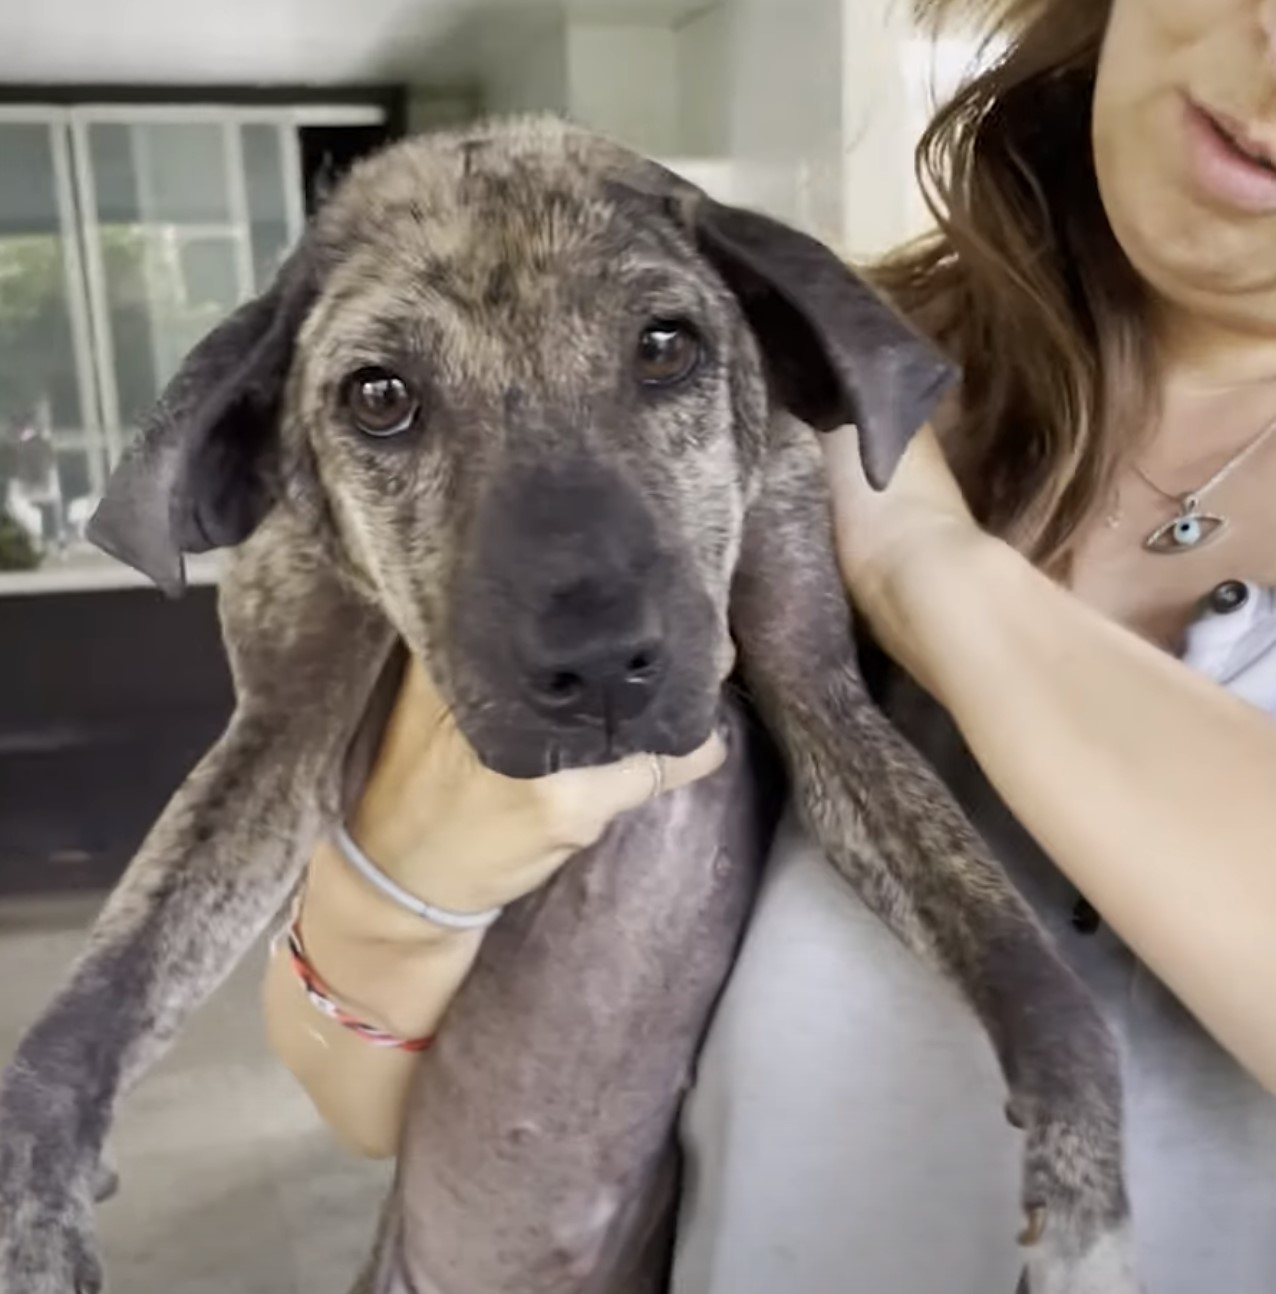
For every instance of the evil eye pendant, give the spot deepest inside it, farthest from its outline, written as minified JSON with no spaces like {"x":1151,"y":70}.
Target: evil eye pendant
{"x":1189,"y":532}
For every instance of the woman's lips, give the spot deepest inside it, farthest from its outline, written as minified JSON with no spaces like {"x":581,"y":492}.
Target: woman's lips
{"x":1229,"y":163}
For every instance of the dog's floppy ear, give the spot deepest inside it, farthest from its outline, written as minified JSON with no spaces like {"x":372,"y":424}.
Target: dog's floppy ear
{"x":838,"y":353}
{"x":196,"y":477}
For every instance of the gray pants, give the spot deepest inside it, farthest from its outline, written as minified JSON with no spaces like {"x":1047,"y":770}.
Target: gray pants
{"x":845,"y":1132}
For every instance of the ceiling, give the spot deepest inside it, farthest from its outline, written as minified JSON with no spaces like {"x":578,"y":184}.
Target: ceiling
{"x":266,"y":41}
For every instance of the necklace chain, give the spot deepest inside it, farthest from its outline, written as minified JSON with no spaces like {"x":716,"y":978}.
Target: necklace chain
{"x":1193,"y":527}
{"x":1237,"y":460}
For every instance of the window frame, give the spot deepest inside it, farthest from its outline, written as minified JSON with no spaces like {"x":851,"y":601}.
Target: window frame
{"x":69,"y":113}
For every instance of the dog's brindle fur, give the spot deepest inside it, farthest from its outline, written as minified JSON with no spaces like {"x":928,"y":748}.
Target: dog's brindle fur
{"x":505,"y":273}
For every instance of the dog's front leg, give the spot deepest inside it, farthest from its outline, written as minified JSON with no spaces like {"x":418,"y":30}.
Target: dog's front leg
{"x":892,"y":829}
{"x":209,"y":877}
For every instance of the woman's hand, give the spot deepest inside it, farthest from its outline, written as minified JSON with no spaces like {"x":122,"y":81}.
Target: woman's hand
{"x":460,"y":837}
{"x":896,"y":546}
{"x":467,"y":839}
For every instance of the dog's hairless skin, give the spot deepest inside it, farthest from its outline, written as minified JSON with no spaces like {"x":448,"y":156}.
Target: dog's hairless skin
{"x":577,"y":550}
{"x":580,"y":1115}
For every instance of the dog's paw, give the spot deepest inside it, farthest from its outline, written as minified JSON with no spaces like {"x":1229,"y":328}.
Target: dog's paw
{"x":1069,"y":1264}
{"x":1076,"y":1235}
{"x":47,"y":1239}
{"x":48,"y":1247}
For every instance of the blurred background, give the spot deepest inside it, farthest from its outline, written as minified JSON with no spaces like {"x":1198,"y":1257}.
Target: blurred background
{"x":156,"y":162}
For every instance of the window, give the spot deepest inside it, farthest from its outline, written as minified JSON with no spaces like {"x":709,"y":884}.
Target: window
{"x":126,"y":233}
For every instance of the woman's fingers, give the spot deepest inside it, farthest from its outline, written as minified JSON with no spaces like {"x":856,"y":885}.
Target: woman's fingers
{"x":880,"y":534}
{"x":440,"y":810}
{"x":922,"y":475}
{"x":584,"y":800}
{"x":842,"y":460}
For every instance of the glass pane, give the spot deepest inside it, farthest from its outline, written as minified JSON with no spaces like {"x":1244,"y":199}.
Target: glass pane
{"x":167,"y":242}
{"x":267,"y":205}
{"x":129,"y":300}
{"x":37,"y":358}
{"x":48,"y":493}
{"x":40,"y":399}
{"x":78,"y":499}
{"x":181,"y":171}
{"x":114,"y":174}
{"x":201,"y":278}
{"x":73,"y":473}
{"x":48,"y":499}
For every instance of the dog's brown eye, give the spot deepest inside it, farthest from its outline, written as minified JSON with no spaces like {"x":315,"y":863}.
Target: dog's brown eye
{"x":668,"y":352}
{"x":380,"y":402}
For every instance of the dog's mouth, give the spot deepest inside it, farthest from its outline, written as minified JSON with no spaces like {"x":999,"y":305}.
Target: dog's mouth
{"x":562,"y":753}
{"x":523,"y":749}
{"x":514,"y":741}
{"x":558,"y":685}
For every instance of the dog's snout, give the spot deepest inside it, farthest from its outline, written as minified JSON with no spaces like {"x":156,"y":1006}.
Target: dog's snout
{"x":581,"y":630}
{"x":592,"y":658}
{"x":612,"y":684}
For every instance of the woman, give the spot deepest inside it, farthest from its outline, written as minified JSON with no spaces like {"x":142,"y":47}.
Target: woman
{"x":1106,"y":276}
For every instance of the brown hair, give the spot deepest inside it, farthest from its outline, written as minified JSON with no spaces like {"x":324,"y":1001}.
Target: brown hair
{"x":1023,"y":281}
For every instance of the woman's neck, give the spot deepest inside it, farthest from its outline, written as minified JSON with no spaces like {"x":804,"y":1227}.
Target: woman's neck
{"x":1218,"y":390}
{"x":1217,"y":398}
{"x":1201,"y":356}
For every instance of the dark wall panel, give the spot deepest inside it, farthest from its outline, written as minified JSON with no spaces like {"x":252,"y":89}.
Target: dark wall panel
{"x":107,"y":699}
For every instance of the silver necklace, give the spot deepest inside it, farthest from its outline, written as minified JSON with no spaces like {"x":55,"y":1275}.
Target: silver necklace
{"x":1194,"y":528}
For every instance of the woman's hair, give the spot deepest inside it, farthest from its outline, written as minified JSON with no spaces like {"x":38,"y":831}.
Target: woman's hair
{"x":1023,"y":282}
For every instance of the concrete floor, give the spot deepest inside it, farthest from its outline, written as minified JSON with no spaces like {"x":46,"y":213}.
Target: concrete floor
{"x":228,"y":1180}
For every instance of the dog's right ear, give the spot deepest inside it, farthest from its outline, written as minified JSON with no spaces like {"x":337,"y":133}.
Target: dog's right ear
{"x":837,"y":352}
{"x":197,"y":476}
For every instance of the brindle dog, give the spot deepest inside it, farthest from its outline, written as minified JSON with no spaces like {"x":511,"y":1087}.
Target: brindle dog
{"x":536,"y":410}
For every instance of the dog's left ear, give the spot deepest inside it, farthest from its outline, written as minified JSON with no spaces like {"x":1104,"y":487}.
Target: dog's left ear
{"x":196,"y":477}
{"x":837,"y":352}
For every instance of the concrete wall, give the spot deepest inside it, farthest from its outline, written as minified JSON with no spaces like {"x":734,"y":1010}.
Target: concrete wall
{"x":623,"y":81}
{"x":523,"y":64}
{"x":815,"y":105}
{"x":826,"y":103}
{"x":704,"y":56}
{"x":429,"y":109}
{"x":786,"y":108}
{"x":659,"y":86}
{"x":818,"y":105}
{"x":881,"y":121}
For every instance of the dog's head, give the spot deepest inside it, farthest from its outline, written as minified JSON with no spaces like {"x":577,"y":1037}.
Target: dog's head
{"x":524,"y":378}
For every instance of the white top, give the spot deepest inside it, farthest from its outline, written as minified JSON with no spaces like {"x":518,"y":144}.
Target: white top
{"x":846,"y":1131}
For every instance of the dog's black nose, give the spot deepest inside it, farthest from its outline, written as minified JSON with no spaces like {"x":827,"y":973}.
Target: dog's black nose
{"x":604,"y":667}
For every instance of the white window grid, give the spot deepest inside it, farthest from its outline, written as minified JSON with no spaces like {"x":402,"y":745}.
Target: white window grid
{"x":103,"y":434}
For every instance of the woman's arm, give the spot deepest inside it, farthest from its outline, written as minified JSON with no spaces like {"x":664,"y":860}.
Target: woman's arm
{"x":459,"y":836}
{"x":1151,"y":787}
{"x":397,"y":974}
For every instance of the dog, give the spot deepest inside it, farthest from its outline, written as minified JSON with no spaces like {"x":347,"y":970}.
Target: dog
{"x":534,"y":409}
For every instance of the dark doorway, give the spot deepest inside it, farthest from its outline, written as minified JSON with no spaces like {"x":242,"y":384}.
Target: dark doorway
{"x":328,"y":152}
